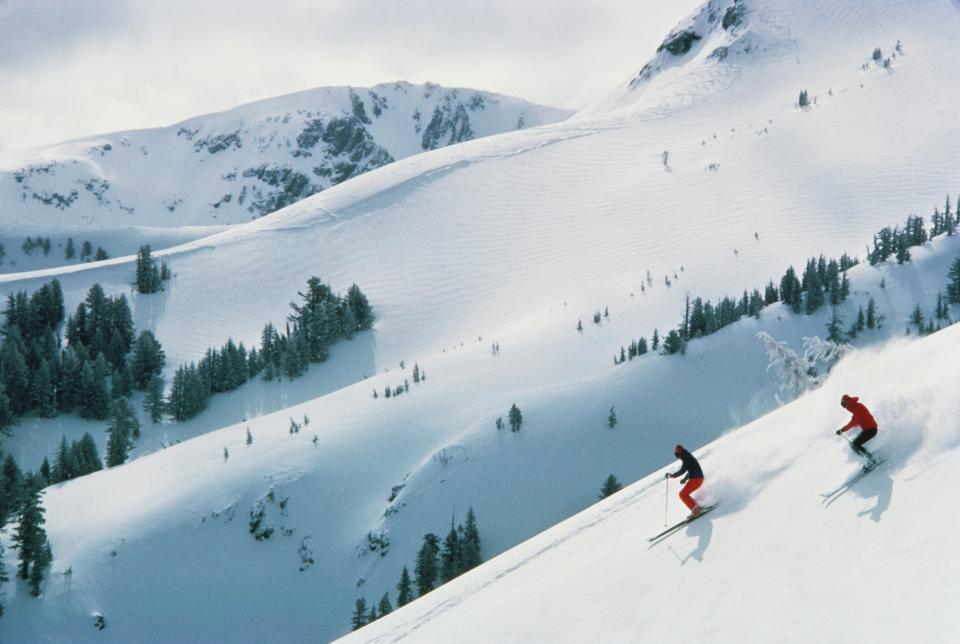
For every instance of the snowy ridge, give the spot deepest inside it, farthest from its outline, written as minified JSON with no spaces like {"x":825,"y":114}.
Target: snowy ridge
{"x":249,"y":161}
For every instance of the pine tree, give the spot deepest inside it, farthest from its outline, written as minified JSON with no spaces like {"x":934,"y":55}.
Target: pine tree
{"x":404,"y":588}
{"x":953,"y":285}
{"x":69,"y":251}
{"x":835,"y":327}
{"x":610,"y":486}
{"x":916,"y":318}
{"x":94,"y":398}
{"x":655,"y":342}
{"x":673,"y":343}
{"x":4,"y":578}
{"x":31,"y":539}
{"x":359,"y":619}
{"x":7,"y":419}
{"x":872,"y":321}
{"x":65,"y":467}
{"x":123,"y":427}
{"x":515,"y":418}
{"x":44,"y":472}
{"x":153,"y":401}
{"x":861,"y":322}
{"x":426,"y":569}
{"x":11,"y":488}
{"x":148,"y":278}
{"x":88,"y":459}
{"x":384,"y":607}
{"x":612,"y":419}
{"x":451,"y":556}
{"x":470,"y":544}
{"x":148,"y":359}
{"x":791,"y":289}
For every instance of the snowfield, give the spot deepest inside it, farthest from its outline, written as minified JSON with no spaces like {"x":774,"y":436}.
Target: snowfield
{"x":513,"y":239}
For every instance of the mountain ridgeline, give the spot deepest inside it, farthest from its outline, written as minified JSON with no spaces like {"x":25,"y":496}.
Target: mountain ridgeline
{"x":252,"y":160}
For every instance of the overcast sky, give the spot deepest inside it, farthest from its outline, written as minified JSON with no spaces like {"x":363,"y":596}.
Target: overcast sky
{"x":71,"y":68}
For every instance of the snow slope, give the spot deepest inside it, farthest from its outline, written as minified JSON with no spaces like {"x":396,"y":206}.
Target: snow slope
{"x":507,"y":239}
{"x":773,"y":563}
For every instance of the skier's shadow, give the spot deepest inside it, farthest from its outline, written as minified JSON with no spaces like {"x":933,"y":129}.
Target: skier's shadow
{"x":703,"y":530}
{"x":879,"y":486}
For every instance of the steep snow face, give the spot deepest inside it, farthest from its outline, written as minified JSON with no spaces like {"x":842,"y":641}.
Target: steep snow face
{"x":774,"y":41}
{"x":775,"y":561}
{"x":252,"y":160}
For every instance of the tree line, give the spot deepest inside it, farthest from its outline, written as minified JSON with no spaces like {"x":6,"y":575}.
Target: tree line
{"x":821,"y":282}
{"x":318,"y":320}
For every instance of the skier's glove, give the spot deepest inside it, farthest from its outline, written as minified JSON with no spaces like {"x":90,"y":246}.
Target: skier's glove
{"x":839,"y":431}
{"x":666,"y":475}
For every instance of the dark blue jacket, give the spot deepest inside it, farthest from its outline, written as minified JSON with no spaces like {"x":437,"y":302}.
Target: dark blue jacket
{"x":690,"y":466}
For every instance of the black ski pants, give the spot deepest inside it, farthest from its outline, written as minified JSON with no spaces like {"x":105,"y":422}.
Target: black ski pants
{"x":865,"y":435}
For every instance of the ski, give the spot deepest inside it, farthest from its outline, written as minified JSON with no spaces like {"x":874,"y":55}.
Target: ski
{"x":677,"y":526}
{"x":866,"y":469}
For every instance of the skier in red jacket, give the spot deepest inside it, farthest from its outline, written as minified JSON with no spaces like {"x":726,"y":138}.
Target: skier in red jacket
{"x":862,"y":418}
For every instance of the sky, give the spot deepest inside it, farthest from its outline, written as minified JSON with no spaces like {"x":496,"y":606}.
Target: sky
{"x":73,"y":68}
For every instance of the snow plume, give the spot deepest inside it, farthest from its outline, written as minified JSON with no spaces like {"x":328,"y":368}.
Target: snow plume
{"x":799,"y":374}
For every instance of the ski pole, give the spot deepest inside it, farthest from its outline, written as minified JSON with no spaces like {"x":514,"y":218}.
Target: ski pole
{"x":666,"y":498}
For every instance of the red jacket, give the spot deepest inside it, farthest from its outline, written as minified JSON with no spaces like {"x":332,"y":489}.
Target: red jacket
{"x":861,"y":415}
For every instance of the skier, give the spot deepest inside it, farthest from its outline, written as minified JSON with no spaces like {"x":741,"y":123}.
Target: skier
{"x":693,"y":479}
{"x":862,"y":418}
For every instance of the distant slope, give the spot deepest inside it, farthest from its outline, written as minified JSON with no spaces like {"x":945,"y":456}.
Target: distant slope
{"x":249,"y":161}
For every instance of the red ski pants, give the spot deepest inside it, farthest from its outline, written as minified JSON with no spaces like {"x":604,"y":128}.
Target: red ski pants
{"x":688,"y":489}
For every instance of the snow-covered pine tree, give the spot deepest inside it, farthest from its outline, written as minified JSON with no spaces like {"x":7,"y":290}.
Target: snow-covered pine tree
{"x":612,"y":418}
{"x":799,"y":373}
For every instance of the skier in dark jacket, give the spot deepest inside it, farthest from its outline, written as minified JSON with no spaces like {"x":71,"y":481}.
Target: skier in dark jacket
{"x":693,"y":479}
{"x":862,"y":418}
